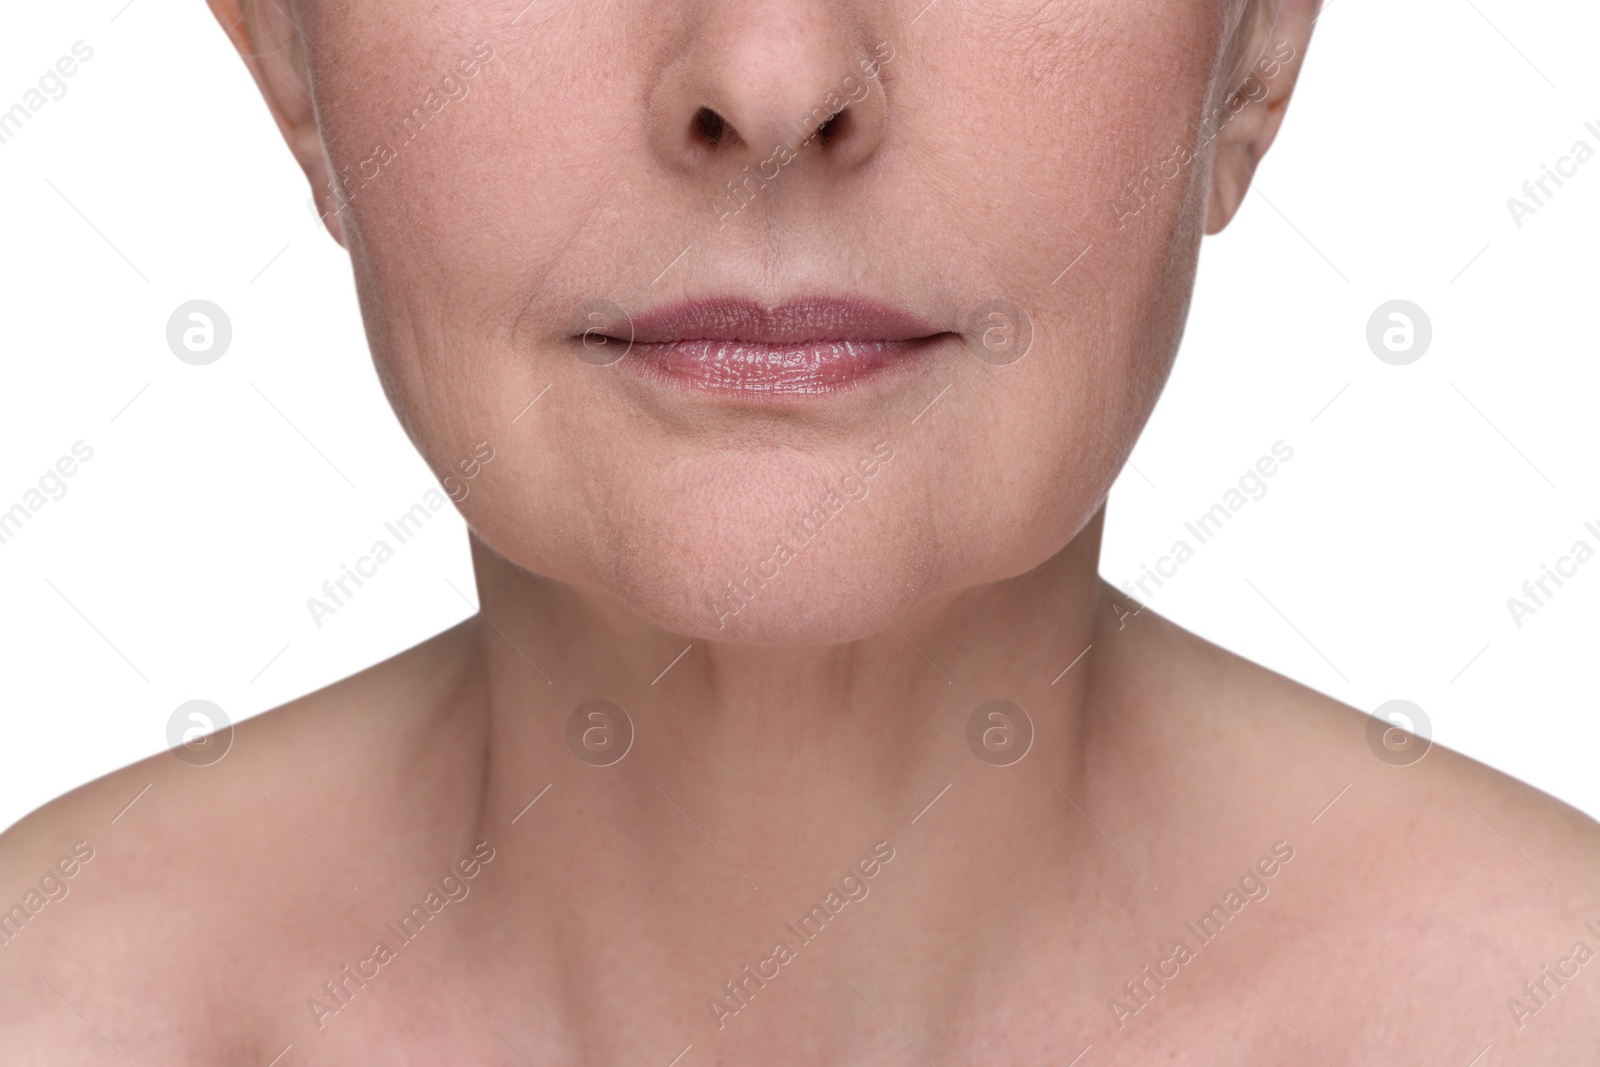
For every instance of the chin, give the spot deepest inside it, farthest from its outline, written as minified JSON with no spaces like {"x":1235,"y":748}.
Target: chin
{"x":773,"y":543}
{"x":778,"y":549}
{"x":773,"y":548}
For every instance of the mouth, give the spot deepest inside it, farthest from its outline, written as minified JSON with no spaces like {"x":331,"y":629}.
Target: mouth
{"x":810,"y":347}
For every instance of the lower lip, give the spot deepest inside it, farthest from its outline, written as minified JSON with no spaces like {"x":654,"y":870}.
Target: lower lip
{"x":755,"y":369}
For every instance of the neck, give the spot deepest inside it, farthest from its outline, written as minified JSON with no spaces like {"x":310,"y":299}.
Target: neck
{"x":869,"y":725}
{"x":757,"y":777}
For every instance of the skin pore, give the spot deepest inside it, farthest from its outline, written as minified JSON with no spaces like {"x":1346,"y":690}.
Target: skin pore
{"x":1066,"y":159}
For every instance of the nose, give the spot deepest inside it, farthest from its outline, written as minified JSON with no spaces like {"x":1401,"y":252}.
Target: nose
{"x":768,"y":84}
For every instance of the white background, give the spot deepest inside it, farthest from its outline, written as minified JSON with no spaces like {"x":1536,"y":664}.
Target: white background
{"x":1377,"y":566}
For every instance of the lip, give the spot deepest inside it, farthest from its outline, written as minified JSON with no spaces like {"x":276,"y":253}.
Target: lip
{"x":808,"y":347}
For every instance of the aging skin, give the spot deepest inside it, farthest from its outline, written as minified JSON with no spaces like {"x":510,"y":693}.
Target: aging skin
{"x":813,"y":739}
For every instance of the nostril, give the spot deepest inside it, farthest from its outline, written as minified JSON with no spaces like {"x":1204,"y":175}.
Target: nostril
{"x":708,"y":127}
{"x":837,"y":125}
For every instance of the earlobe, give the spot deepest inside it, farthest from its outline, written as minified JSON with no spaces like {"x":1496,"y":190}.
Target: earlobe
{"x":328,"y":205}
{"x":1275,"y":36}
{"x":267,"y":40}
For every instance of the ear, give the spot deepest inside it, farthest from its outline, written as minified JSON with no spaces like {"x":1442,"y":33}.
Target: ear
{"x":1259,"y":74}
{"x":272,"y":47}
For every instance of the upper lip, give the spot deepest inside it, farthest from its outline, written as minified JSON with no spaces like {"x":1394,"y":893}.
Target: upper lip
{"x":812,"y":319}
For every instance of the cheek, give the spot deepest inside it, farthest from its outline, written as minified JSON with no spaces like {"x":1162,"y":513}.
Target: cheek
{"x":1058,"y":215}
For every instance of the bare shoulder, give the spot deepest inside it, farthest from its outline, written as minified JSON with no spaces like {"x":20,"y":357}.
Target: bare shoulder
{"x":1434,"y":905}
{"x":148,"y":887}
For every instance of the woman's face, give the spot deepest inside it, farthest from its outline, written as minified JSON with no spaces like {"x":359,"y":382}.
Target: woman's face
{"x":515,"y":174}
